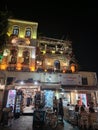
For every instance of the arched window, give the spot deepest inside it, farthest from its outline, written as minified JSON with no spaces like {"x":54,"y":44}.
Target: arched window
{"x":13,"y":53}
{"x":26,"y":56}
{"x":16,"y":30}
{"x":28,"y":32}
{"x":57,"y":65}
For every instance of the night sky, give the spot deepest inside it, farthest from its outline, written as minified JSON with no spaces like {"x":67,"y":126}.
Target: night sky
{"x":76,"y":21}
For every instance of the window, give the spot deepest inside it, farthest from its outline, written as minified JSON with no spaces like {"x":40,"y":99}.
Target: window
{"x":26,"y":56}
{"x":28,"y":32}
{"x":57,"y":65}
{"x":13,"y":56}
{"x":84,"y":81}
{"x":10,"y":80}
{"x":16,"y":30}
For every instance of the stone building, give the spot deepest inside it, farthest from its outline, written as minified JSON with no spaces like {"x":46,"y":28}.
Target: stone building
{"x":46,"y":61}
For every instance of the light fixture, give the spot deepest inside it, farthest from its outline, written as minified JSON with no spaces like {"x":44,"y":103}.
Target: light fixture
{"x":21,"y":82}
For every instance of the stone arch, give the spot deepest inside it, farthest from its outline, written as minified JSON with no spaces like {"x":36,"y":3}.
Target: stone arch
{"x":26,"y":56}
{"x":57,"y":65}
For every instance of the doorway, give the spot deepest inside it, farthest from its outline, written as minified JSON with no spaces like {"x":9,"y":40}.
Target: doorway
{"x":28,"y":94}
{"x":57,"y":65}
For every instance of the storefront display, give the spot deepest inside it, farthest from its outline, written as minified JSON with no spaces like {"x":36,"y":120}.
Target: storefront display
{"x":11,"y":98}
{"x":18,"y":104}
{"x":49,"y":98}
{"x":66,"y":98}
{"x":81,"y":99}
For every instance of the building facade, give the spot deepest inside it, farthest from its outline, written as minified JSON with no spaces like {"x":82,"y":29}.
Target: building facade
{"x":30,"y":63}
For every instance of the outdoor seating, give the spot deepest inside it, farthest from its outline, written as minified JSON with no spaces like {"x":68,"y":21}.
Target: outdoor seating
{"x":93,"y":120}
{"x":83,"y":120}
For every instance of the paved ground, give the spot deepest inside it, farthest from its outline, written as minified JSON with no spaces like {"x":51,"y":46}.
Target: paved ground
{"x":25,"y":123}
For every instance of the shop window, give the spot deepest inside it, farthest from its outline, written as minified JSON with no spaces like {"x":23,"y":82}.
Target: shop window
{"x":84,"y":81}
{"x":16,"y":30}
{"x":28,"y":32}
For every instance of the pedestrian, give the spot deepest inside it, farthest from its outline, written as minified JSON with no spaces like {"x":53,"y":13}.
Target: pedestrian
{"x":55,"y":105}
{"x":60,"y":109}
{"x":10,"y":116}
{"x":4,"y":120}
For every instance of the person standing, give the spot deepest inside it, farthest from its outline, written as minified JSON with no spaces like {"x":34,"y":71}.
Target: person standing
{"x":10,"y":116}
{"x":55,"y":105}
{"x":4,"y":120}
{"x":60,"y":109}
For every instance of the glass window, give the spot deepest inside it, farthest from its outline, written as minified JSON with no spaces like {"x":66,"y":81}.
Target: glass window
{"x":84,"y":81}
{"x":16,"y":30}
{"x":26,"y":56}
{"x":28,"y":32}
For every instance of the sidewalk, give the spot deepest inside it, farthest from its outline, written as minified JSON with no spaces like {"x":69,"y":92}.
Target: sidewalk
{"x":25,"y":123}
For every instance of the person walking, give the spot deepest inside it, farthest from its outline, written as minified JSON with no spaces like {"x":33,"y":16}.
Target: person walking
{"x":4,"y":120}
{"x":60,"y":109}
{"x":55,"y":105}
{"x":10,"y":116}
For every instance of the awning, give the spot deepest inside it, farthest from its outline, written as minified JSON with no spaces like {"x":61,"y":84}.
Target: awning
{"x":79,"y":88}
{"x":51,"y":86}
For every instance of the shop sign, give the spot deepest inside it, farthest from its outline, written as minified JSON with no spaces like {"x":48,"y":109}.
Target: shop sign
{"x":71,"y":79}
{"x":51,"y":78}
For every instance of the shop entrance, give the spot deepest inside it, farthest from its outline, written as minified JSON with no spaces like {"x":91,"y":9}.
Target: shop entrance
{"x":28,"y":98}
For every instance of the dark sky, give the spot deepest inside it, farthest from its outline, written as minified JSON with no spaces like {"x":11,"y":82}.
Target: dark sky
{"x":78,"y":21}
